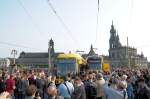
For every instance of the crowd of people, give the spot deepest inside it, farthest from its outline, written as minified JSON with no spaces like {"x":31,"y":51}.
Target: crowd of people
{"x":118,"y":84}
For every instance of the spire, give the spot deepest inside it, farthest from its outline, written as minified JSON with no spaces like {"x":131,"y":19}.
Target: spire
{"x":91,"y":50}
{"x":112,"y":25}
{"x":112,"y":30}
{"x":117,"y":35}
{"x":91,"y":47}
{"x":51,"y":43}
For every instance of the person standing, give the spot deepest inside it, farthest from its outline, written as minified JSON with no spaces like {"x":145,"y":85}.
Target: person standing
{"x":66,"y":89}
{"x":41,"y":83}
{"x":90,"y":87}
{"x":21,"y":85}
{"x":79,"y":91}
{"x":143,"y":92}
{"x":130,"y":90}
{"x":10,"y":85}
{"x":100,"y":84}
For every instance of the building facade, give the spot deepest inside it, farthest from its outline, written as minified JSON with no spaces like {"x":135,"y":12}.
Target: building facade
{"x":123,"y":56}
{"x":38,"y":59}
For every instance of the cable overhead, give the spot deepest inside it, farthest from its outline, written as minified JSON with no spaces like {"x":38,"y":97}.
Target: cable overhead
{"x":30,"y":16}
{"x":97,"y":23}
{"x":62,"y":22}
{"x":20,"y":46}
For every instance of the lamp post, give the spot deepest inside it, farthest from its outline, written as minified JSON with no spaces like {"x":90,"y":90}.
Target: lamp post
{"x":49,"y":62}
{"x":14,"y":53}
{"x":128,"y":50}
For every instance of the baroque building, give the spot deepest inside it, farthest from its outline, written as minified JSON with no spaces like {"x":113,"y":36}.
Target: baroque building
{"x":124,"y":56}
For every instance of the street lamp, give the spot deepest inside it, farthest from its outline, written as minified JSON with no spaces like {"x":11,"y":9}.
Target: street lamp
{"x":14,"y":53}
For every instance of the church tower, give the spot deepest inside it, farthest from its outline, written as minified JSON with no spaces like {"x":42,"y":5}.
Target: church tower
{"x":114,"y":39}
{"x":51,"y":48}
{"x":51,"y":53}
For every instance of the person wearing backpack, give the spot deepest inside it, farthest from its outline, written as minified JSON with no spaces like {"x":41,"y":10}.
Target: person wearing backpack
{"x":66,"y":89}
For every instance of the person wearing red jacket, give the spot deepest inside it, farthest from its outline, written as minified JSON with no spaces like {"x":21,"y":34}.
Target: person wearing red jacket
{"x":10,"y":85}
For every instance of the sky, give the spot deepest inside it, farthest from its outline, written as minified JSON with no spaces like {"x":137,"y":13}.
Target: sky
{"x":30,"y":24}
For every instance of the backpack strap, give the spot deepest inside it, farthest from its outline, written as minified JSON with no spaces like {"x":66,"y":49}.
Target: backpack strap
{"x":67,"y":88}
{"x":124,"y":94}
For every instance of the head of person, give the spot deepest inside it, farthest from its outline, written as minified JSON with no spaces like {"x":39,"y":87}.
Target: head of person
{"x":129,"y":79}
{"x":68,"y":77}
{"x":42,"y":75}
{"x":11,"y":76}
{"x":77,"y":81}
{"x":122,"y":85}
{"x":138,"y":73}
{"x":94,"y":75}
{"x":113,"y":82}
{"x":141,"y":82}
{"x":52,"y":91}
{"x":18,"y":75}
{"x":31,"y":90}
{"x":90,"y":75}
{"x":99,"y":76}
{"x":84,"y":77}
{"x":124,"y":77}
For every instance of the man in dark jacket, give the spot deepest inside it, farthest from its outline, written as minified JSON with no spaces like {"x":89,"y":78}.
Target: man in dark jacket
{"x":90,"y":87}
{"x":21,"y":85}
{"x":41,"y":83}
{"x":143,"y":91}
{"x":79,"y":91}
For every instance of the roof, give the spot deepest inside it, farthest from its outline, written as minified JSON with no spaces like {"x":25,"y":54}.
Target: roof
{"x":70,"y":56}
{"x":34,"y":55}
{"x":77,"y":56}
{"x":94,"y":57}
